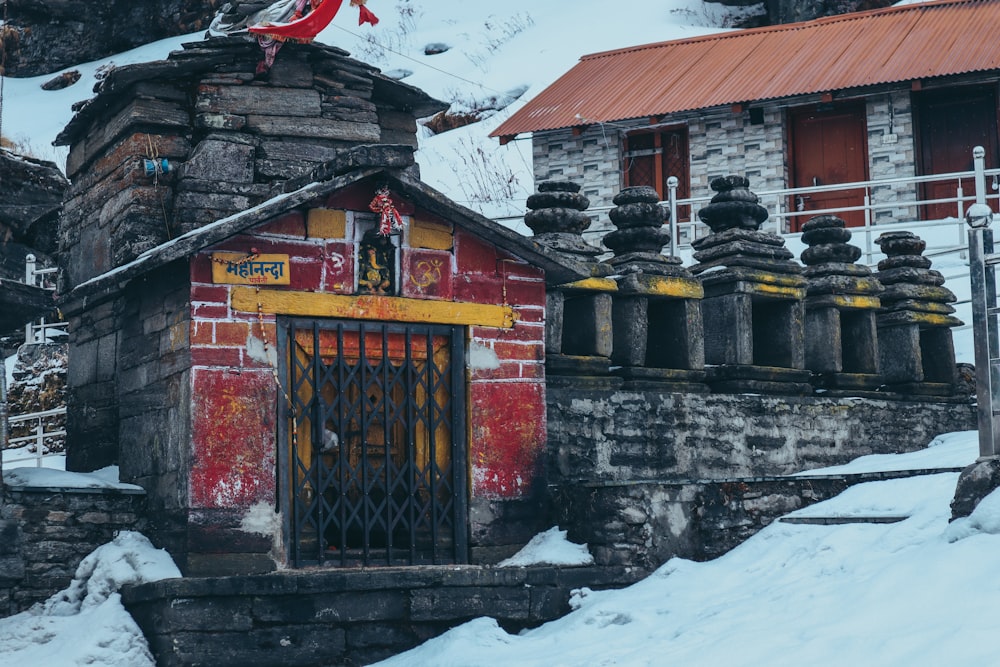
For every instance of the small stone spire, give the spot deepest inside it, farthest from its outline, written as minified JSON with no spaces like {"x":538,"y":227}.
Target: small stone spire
{"x":558,"y":220}
{"x":830,"y":260}
{"x":754,"y":291}
{"x":640,"y":235}
{"x":733,"y":206}
{"x":736,"y":241}
{"x":842,"y":300}
{"x":917,"y":352}
{"x":911,"y":286}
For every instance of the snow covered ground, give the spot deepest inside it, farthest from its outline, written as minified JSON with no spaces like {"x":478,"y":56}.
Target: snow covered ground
{"x":920,"y":593}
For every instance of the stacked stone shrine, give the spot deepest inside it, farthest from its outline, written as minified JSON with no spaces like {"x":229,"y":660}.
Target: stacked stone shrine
{"x":753,"y":307}
{"x":658,"y":338}
{"x":842,"y":301}
{"x":578,"y":338}
{"x":917,"y":353}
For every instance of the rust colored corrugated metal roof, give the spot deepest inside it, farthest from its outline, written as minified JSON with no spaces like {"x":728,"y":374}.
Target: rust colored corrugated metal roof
{"x":905,"y":43}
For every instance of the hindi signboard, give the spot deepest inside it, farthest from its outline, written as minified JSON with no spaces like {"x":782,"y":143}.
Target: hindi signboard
{"x":234,"y":268}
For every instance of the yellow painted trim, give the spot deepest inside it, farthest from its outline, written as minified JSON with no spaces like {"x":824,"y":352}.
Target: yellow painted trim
{"x":777,"y":290}
{"x":327,"y":223}
{"x":381,"y":308}
{"x":592,"y":285}
{"x":856,"y":301}
{"x":670,"y":286}
{"x":431,"y":235}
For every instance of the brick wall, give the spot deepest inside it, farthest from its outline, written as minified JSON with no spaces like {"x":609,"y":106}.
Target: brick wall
{"x":233,"y":353}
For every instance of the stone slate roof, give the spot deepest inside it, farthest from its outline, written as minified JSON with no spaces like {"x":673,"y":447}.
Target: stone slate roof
{"x":558,"y":269}
{"x":206,"y":56}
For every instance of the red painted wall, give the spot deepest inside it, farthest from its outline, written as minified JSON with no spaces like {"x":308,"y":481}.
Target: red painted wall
{"x":233,"y":353}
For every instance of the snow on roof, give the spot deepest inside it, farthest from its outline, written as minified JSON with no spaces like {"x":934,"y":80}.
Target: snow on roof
{"x":50,"y":478}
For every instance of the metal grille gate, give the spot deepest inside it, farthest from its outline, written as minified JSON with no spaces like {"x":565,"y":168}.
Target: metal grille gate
{"x":374,"y":463}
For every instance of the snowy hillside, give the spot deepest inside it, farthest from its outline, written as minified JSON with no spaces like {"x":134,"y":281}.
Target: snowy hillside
{"x":492,"y":54}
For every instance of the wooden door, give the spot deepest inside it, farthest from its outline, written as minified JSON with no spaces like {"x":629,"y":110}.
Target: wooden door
{"x":828,"y":146}
{"x":950,"y":124}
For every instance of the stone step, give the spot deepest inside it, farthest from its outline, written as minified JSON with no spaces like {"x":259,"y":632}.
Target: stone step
{"x":839,"y":520}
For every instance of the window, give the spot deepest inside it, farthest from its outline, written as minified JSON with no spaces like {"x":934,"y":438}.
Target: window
{"x":651,"y":157}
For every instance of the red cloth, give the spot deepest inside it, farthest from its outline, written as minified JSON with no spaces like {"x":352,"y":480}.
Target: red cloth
{"x":389,"y":218}
{"x":365,"y":16}
{"x":304,"y":29}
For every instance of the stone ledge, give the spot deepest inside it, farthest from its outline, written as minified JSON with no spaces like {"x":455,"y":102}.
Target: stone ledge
{"x":345,"y":617}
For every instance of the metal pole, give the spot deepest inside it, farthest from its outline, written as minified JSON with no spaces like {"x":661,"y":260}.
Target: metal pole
{"x":979,"y":217}
{"x":672,"y":198}
{"x":29,"y":279}
{"x":39,"y":443}
{"x":868,"y":226}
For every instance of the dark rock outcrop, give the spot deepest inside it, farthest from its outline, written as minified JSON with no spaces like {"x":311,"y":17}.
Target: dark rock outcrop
{"x":44,"y":36}
{"x":31,"y":193}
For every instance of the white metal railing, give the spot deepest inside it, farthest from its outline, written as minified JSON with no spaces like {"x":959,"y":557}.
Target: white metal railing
{"x":904,"y":196}
{"x":780,"y":218}
{"x":39,"y":437}
{"x":41,"y":331}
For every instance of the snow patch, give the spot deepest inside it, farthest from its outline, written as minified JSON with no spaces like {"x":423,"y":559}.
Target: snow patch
{"x":261,"y":519}
{"x":550,"y":548}
{"x":106,"y":478}
{"x":86,"y":624}
{"x":482,"y":358}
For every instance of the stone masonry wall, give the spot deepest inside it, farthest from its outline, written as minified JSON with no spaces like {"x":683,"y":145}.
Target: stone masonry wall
{"x":227,"y":137}
{"x":635,"y":435}
{"x":334,"y":618}
{"x":592,"y":159}
{"x":92,"y":398}
{"x":154,"y":393}
{"x":45,"y":533}
{"x":644,"y":524}
{"x":724,"y":142}
{"x":891,"y":153}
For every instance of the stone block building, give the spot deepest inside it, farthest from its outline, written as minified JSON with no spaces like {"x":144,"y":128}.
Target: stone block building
{"x":216,"y":226}
{"x":877,"y":95}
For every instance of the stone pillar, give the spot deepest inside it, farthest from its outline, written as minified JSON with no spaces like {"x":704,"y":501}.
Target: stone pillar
{"x":753,"y":307}
{"x":578,"y":336}
{"x":842,"y":299}
{"x":656,"y":312}
{"x":916,"y":350}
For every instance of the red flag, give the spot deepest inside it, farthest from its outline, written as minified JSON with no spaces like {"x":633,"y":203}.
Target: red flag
{"x":365,"y":16}
{"x":304,"y":29}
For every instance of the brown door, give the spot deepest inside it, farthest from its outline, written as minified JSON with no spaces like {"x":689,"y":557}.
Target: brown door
{"x":951,"y":123}
{"x":829,"y":146}
{"x":651,"y":157}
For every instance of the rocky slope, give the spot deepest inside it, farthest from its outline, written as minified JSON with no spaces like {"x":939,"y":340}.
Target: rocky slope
{"x":43,"y":36}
